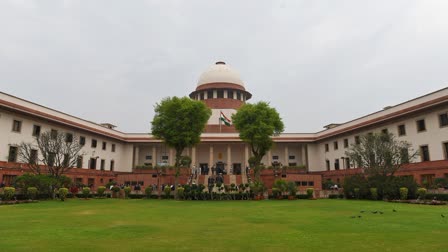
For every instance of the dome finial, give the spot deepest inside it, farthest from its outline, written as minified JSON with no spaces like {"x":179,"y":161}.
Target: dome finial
{"x":220,"y":63}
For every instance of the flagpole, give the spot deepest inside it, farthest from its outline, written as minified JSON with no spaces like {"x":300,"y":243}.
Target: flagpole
{"x":220,"y":112}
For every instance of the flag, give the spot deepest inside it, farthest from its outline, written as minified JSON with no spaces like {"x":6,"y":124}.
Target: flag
{"x":224,"y":119}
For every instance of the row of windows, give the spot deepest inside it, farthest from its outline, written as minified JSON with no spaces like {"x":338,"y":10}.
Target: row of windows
{"x":421,"y":127}
{"x":17,"y":127}
{"x":423,"y":151}
{"x":231,"y":94}
{"x":13,"y":156}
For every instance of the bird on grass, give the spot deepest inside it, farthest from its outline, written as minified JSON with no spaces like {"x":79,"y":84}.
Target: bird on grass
{"x":362,"y":211}
{"x":393,"y":210}
{"x":443,"y":216}
{"x":380,"y":212}
{"x":374,"y":212}
{"x":359,"y":216}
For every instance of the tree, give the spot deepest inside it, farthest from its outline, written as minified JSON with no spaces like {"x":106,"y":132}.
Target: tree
{"x":58,"y":152}
{"x":380,"y":154}
{"x":256,"y":124}
{"x":179,"y":122}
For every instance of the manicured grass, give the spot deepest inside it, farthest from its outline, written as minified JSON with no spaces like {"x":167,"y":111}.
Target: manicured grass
{"x":168,"y":225}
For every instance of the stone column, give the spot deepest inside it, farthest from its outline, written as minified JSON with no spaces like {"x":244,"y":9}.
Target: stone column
{"x":246,"y":156}
{"x":171,"y":158}
{"x":305,"y":156}
{"x":154,"y":158}
{"x":269,"y":158}
{"x":229,"y":158}
{"x":210,"y":161}
{"x":193,"y":156}
{"x":286,"y":156}
{"x":136,"y":156}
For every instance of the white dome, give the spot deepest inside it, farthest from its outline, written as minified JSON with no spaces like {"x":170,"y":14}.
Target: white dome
{"x":220,"y":72}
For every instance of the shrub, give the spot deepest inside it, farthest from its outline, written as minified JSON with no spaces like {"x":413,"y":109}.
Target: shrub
{"x":333,"y":196}
{"x":421,"y":192}
{"x":356,"y":181}
{"x":403,"y":193}
{"x":439,"y":196}
{"x":310,"y":192}
{"x":374,"y":193}
{"x":276,"y":192}
{"x":441,"y":182}
{"x":180,"y":192}
{"x":44,"y":183}
{"x":100,"y":191}
{"x":9,"y":192}
{"x":167,"y":191}
{"x":148,"y":192}
{"x":292,"y":188}
{"x":31,"y":192}
{"x":63,"y":193}
{"x":127,"y":191}
{"x":85,"y":192}
{"x":357,"y":193}
{"x":282,"y":185}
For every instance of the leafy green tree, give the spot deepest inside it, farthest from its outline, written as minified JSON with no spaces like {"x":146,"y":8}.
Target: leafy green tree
{"x":179,"y":122}
{"x":380,"y":154}
{"x":257,"y":123}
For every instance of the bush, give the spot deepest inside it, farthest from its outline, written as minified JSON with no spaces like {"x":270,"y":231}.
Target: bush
{"x":302,"y":196}
{"x":44,"y":183}
{"x":85,"y":192}
{"x":180,"y":192}
{"x":357,"y":193}
{"x":31,"y":192}
{"x":374,"y":193}
{"x":421,"y":192}
{"x":292,"y":188}
{"x":8,"y":193}
{"x":100,"y":191}
{"x":148,"y":191}
{"x":127,"y":191}
{"x":167,"y":192}
{"x":63,"y":193}
{"x":403,"y":193}
{"x":276,"y":192}
{"x":356,"y":181}
{"x":437,"y":196}
{"x":310,"y":192}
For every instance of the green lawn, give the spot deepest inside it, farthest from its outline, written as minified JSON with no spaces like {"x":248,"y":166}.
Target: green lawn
{"x":168,"y":225}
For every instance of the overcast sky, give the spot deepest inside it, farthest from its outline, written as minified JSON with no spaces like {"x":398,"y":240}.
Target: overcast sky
{"x":316,"y":62}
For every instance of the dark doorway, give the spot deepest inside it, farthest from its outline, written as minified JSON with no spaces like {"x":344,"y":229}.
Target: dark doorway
{"x":237,"y":168}
{"x":220,"y":168}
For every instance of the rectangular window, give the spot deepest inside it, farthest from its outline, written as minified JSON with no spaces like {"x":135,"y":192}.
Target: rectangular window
{"x":404,"y":155}
{"x":310,"y":183}
{"x":336,"y":164}
{"x":103,"y":164}
{"x":304,"y":183}
{"x":33,"y":157}
{"x":275,"y":157}
{"x":327,"y":163}
{"x":327,"y":148}
{"x":238,"y":95}
{"x":445,"y":147}
{"x":292,"y":157}
{"x":104,"y":145}
{"x":335,"y":145}
{"x":82,"y":140}
{"x":165,"y":157}
{"x":36,"y":130}
{"x":90,"y":182}
{"x":347,"y":163}
{"x":16,"y":126}
{"x":69,"y":137}
{"x":401,"y":130}
{"x":421,"y":126}
{"x":385,"y":131}
{"x":79,"y":162}
{"x":112,"y":165}
{"x":346,"y":143}
{"x":12,"y":156}
{"x":443,"y":120}
{"x":51,"y":159}
{"x":92,"y":163}
{"x":148,"y":157}
{"x":201,"y":96}
{"x":210,"y":94}
{"x":424,"y":153}
{"x":220,"y":93}
{"x":357,"y":141}
{"x":113,"y":147}
{"x":292,"y":164}
{"x":230,"y":94}
{"x":53,"y":134}
{"x":93,"y":143}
